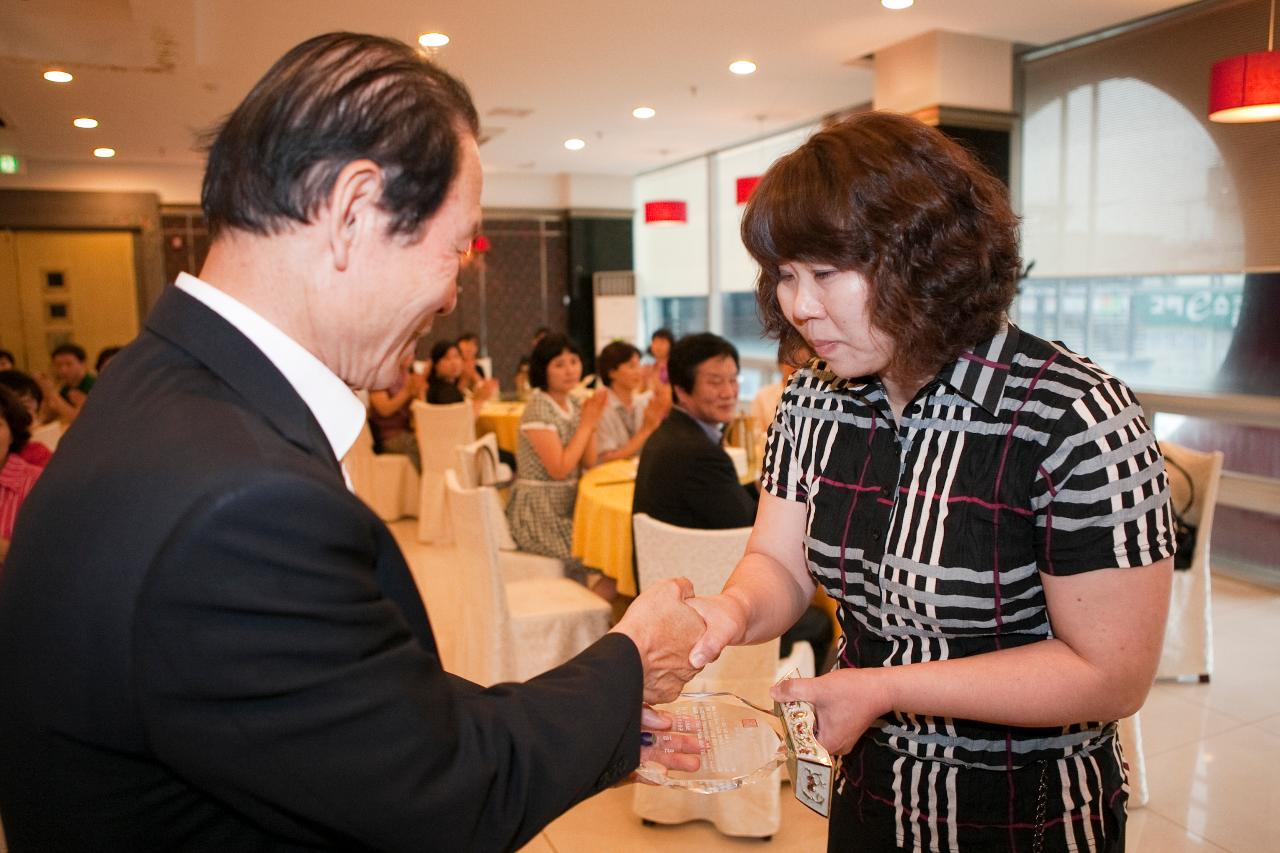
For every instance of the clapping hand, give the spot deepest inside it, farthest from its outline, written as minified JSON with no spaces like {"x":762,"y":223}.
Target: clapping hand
{"x":593,"y":407}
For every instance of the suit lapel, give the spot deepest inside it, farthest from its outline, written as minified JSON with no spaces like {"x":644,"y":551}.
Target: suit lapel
{"x":206,"y":336}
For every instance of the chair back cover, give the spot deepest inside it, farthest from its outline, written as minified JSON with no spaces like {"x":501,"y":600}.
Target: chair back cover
{"x":479,"y":617}
{"x":1188,"y":634}
{"x":477,"y":466}
{"x":707,"y":558}
{"x":439,"y":429}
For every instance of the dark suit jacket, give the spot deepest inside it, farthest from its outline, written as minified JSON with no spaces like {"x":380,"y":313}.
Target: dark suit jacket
{"x":687,"y":480}
{"x":208,"y":643}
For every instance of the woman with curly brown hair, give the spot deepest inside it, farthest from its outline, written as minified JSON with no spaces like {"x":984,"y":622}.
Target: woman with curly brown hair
{"x":988,"y":509}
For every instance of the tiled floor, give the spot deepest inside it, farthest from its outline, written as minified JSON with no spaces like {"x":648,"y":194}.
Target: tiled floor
{"x":1212,"y":751}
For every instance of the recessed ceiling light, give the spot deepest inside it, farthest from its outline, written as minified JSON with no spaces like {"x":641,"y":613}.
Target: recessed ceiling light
{"x":742,"y":66}
{"x":574,"y":144}
{"x":896,"y":4}
{"x":58,"y":77}
{"x":644,"y":112}
{"x":433,"y":39}
{"x":85,"y":122}
{"x":104,"y":152}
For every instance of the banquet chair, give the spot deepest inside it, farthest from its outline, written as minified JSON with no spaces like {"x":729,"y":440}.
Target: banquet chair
{"x":1188,"y":635}
{"x":509,"y":630}
{"x":439,"y":430}
{"x":478,"y":466}
{"x":387,"y":482}
{"x":706,"y":558}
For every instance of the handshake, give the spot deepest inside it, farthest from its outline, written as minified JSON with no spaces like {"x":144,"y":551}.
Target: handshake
{"x":666,"y":623}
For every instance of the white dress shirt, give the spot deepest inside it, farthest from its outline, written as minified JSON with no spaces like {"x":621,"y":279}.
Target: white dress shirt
{"x":335,"y":406}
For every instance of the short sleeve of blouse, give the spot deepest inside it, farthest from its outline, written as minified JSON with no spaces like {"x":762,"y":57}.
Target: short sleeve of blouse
{"x":782,"y":474}
{"x":1101,"y":497}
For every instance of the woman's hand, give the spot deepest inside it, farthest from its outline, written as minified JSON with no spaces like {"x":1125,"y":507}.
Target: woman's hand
{"x":726,"y":620}
{"x":593,"y":408}
{"x":846,"y":702}
{"x":658,"y":408}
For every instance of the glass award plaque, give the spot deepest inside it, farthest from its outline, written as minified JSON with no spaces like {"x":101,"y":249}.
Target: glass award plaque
{"x":741,"y":743}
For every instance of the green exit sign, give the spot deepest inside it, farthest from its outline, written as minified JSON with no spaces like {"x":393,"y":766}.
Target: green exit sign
{"x":9,"y":164}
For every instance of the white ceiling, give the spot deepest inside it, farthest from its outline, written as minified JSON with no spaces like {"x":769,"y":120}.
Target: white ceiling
{"x":155,"y":72}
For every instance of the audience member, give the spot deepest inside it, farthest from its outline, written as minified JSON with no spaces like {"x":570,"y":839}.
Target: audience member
{"x":557,"y":440}
{"x":632,"y":414}
{"x":685,"y":478}
{"x":7,"y":361}
{"x":391,"y":413}
{"x":473,"y":374}
{"x":17,"y":475}
{"x":445,"y":385}
{"x":32,"y":397}
{"x":660,"y":343}
{"x":70,"y":369}
{"x":104,"y":356}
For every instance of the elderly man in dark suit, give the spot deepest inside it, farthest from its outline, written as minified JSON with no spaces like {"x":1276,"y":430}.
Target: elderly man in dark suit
{"x":207,"y":642}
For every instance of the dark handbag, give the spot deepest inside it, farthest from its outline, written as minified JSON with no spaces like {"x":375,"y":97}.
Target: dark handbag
{"x":1184,"y":532}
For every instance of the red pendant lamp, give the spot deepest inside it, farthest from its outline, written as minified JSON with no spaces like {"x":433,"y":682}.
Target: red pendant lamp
{"x":745,"y":187}
{"x":666,"y":213}
{"x":1246,"y":87}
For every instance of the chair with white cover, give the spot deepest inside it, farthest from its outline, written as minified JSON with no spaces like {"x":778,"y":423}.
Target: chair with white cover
{"x":508,"y":630}
{"x":387,"y":482}
{"x":1188,"y":636}
{"x":478,"y":465}
{"x":439,"y":430}
{"x":707,"y":557}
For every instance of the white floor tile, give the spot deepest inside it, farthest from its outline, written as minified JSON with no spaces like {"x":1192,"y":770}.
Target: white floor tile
{"x":1170,"y":719}
{"x":1224,"y":788}
{"x":1148,"y":832}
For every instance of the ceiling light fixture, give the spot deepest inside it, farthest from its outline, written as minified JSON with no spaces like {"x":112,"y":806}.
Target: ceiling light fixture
{"x":897,"y":4}
{"x":1246,"y":87}
{"x":86,"y":123}
{"x":644,"y":112}
{"x":574,"y":144}
{"x":57,"y":76}
{"x":433,"y":39}
{"x":742,"y":67}
{"x":104,"y":153}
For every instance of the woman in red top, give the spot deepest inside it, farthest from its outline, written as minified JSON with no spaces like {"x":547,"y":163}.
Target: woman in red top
{"x":17,"y":476}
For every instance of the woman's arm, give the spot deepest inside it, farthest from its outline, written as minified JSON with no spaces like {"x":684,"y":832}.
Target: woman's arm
{"x":768,"y":590}
{"x":1108,"y":628}
{"x":386,"y":405}
{"x":560,"y":460}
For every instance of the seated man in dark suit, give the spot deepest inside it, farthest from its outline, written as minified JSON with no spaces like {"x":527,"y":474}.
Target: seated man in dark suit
{"x":685,"y":478}
{"x":207,"y":642}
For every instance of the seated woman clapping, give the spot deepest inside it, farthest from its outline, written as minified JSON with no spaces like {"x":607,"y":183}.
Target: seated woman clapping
{"x":631,"y":413}
{"x":557,"y":440}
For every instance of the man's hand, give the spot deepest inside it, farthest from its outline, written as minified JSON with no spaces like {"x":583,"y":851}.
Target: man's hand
{"x":726,"y":624}
{"x":671,"y":750}
{"x":664,"y":629}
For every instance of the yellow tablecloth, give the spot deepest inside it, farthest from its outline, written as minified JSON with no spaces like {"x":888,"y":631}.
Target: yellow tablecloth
{"x":602,"y":521}
{"x":501,"y":419}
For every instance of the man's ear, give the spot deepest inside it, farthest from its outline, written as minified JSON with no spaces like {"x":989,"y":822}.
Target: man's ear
{"x":352,"y":212}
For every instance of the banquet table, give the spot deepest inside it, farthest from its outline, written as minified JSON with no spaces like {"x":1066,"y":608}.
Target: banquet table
{"x":602,"y":521}
{"x":503,"y":420}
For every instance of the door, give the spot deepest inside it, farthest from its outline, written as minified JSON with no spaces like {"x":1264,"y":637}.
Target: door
{"x":66,"y":286}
